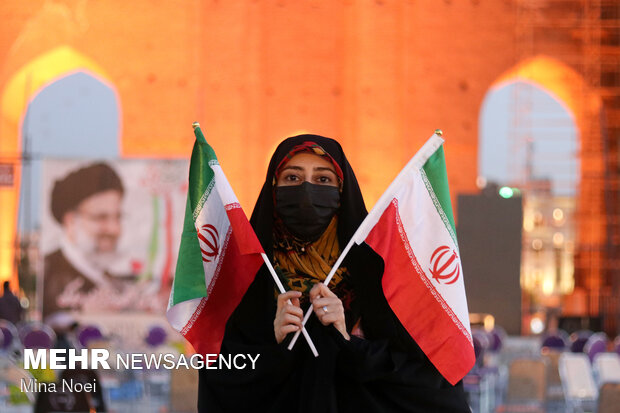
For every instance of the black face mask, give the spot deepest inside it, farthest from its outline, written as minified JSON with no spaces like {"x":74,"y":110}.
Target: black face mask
{"x":307,"y":209}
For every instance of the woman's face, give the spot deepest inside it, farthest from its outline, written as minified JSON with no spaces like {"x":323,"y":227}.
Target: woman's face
{"x":307,"y":167}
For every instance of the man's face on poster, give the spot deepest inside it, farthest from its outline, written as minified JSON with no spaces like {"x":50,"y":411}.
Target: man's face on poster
{"x":95,"y":225}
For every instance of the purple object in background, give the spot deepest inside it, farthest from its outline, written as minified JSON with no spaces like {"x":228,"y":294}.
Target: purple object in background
{"x":496,"y":338}
{"x":578,"y":340}
{"x":555,"y":342}
{"x":156,"y":336}
{"x":478,"y":351}
{"x":9,"y":333}
{"x":481,"y":342}
{"x":597,"y":343}
{"x":38,"y":337}
{"x":88,"y":333}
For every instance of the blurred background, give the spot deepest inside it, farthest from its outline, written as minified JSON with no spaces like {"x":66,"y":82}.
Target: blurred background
{"x":527,"y":93}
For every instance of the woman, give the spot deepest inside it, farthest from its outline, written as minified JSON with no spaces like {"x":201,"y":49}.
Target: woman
{"x":308,"y":209}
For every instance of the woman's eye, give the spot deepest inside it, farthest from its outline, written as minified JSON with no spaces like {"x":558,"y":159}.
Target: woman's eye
{"x":324,"y":180}
{"x":291,"y":178}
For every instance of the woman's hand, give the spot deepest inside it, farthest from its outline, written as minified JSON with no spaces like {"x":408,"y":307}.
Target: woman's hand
{"x":328,"y":308}
{"x":288,"y":315}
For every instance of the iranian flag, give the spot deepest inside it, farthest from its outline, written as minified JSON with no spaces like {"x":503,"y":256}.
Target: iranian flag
{"x":412,"y":228}
{"x":218,"y":257}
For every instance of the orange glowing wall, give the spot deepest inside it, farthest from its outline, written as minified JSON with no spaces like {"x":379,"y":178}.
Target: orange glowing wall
{"x":379,"y":75}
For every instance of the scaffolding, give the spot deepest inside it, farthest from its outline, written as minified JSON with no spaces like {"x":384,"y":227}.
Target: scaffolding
{"x":585,"y":35}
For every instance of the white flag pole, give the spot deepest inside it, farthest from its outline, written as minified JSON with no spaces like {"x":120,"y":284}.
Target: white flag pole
{"x":373,"y":216}
{"x":282,"y":290}
{"x":326,"y":282}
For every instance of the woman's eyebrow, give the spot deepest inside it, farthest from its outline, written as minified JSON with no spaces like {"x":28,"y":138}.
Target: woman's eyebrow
{"x":324,"y":168}
{"x":297,"y":168}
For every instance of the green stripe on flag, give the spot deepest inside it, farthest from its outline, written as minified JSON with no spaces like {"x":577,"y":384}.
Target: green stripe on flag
{"x":200,"y":173}
{"x":436,"y":180}
{"x":189,"y":279}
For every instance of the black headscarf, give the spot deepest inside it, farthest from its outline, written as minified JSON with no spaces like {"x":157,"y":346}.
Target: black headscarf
{"x":352,"y":208}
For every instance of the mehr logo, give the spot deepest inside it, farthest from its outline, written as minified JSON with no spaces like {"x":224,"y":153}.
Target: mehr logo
{"x":208,"y":237}
{"x":446,"y":267}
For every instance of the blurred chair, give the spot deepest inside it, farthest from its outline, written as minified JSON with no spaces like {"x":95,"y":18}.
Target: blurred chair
{"x":156,"y":336}
{"x":481,"y":343}
{"x":609,"y":398}
{"x":578,"y":340}
{"x":156,"y":381}
{"x":12,"y":375}
{"x":88,"y":333}
{"x":617,"y":345}
{"x":127,"y":390}
{"x":555,"y":341}
{"x":497,"y":337}
{"x":606,"y":367}
{"x":580,"y":391}
{"x":479,"y":387}
{"x":526,"y":387}
{"x":183,"y":390}
{"x":37,"y":336}
{"x":10,"y":336}
{"x":482,"y":382}
{"x":597,"y":343}
{"x":554,"y":392}
{"x":526,"y":380}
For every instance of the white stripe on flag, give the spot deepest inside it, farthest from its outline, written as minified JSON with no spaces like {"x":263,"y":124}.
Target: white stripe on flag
{"x":213,"y":230}
{"x":179,"y":315}
{"x":419,"y":219}
{"x":227,"y":195}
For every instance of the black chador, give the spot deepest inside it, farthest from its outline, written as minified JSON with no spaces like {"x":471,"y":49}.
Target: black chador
{"x":381,"y":368}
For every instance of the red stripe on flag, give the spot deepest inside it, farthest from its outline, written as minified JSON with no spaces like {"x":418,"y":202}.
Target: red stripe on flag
{"x":236,"y":271}
{"x":419,"y":307}
{"x":246,"y":238}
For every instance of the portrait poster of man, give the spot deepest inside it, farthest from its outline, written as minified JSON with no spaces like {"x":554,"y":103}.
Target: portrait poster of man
{"x":110,"y":234}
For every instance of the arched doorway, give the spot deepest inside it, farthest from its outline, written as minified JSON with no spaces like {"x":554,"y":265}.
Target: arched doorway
{"x":75,"y":116}
{"x":44,"y":113}
{"x":528,"y":135}
{"x":549,"y":146}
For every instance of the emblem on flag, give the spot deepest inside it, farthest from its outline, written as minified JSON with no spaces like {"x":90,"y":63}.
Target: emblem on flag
{"x":445,"y":268}
{"x":209,"y":242}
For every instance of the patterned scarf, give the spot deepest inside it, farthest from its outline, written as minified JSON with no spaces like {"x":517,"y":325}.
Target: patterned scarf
{"x":301,"y":264}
